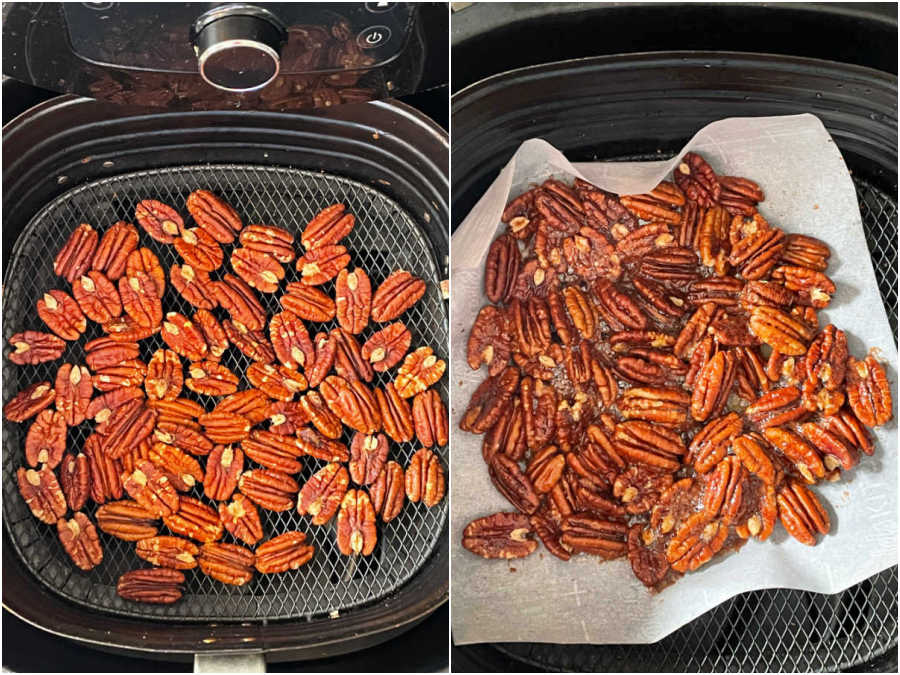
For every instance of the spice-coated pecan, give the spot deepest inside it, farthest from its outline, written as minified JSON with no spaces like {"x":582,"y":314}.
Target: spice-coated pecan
{"x":270,"y":489}
{"x":223,"y":468}
{"x":150,"y":487}
{"x":396,"y":294}
{"x":76,"y":256}
{"x":328,"y":226}
{"x":387,"y":347}
{"x":322,"y":494}
{"x":260,"y":270}
{"x":45,"y":442}
{"x":388,"y":491}
{"x":62,"y":314}
{"x":199,"y":250}
{"x":171,"y":552}
{"x":195,"y":520}
{"x":697,"y":179}
{"x":801,"y":513}
{"x":97,"y":297}
{"x":501,"y":535}
{"x":75,"y":480}
{"x":356,"y":533}
{"x":868,"y":391}
{"x":144,"y":260}
{"x":157,"y":585}
{"x":127,"y":520}
{"x":287,"y":551}
{"x":115,"y":246}
{"x":420,"y":369}
{"x":501,"y":268}
{"x":78,"y":537}
{"x":32,"y":347}
{"x":42,"y":494}
{"x":241,"y":518}
{"x":274,"y":241}
{"x":229,"y":563}
{"x":214,"y":215}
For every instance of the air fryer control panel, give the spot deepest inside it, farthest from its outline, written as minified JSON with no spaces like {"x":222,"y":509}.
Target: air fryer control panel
{"x":320,"y":37}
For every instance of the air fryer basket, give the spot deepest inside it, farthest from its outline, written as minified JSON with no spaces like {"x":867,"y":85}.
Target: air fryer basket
{"x":384,"y":239}
{"x":609,"y":108}
{"x":396,"y":188}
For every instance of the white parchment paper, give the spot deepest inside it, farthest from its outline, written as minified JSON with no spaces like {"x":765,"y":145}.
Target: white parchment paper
{"x":542,"y":599}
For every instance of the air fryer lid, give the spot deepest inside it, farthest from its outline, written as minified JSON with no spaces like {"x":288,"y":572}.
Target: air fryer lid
{"x":220,"y":55}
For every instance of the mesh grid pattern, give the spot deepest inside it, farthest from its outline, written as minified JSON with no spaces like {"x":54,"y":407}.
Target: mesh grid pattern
{"x":385,"y":238}
{"x":774,"y":630}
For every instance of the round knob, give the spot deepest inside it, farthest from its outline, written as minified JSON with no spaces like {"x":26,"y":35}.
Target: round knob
{"x":238,"y":46}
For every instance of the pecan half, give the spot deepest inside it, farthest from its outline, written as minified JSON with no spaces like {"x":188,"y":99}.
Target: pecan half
{"x":328,"y":226}
{"x":388,"y":491}
{"x":171,"y":552}
{"x":240,"y":301}
{"x":322,"y":494}
{"x":159,"y":585}
{"x":199,"y":250}
{"x":117,"y":243}
{"x":150,"y":487}
{"x":144,"y":260}
{"x":159,"y":220}
{"x":425,"y":478}
{"x":76,"y":256}
{"x":322,"y":264}
{"x":642,"y":442}
{"x":42,"y":494}
{"x":164,"y":378}
{"x":512,"y":483}
{"x":353,"y":300}
{"x":501,"y":268}
{"x":251,"y":343}
{"x":214,"y":215}
{"x":139,"y":299}
{"x":868,"y":391}
{"x":225,"y":427}
{"x":127,"y":427}
{"x":241,"y":518}
{"x":803,"y":251}
{"x":711,"y":443}
{"x":353,"y":403}
{"x":810,"y":287}
{"x":270,"y":489}
{"x":260,"y":270}
{"x":784,"y":333}
{"x":386,"y":347}
{"x":430,"y":418}
{"x":45,"y":442}
{"x":356,"y":534}
{"x":501,"y":535}
{"x":62,"y":314}
{"x":274,"y":241}
{"x":29,"y":402}
{"x":106,"y":479}
{"x":697,"y":179}
{"x":290,"y":340}
{"x":655,"y":404}
{"x":696,"y":542}
{"x":75,"y":480}
{"x":195,"y":286}
{"x":183,"y":470}
{"x":97,"y":297}
{"x":32,"y":347}
{"x":801,"y":454}
{"x":349,"y":362}
{"x":231,"y":564}
{"x":325,"y":352}
{"x":195,"y":520}
{"x":308,"y":302}
{"x":78,"y":537}
{"x":273,"y":451}
{"x":287,"y":551}
{"x":326,"y":422}
{"x":801,"y":513}
{"x":420,"y":369}
{"x":223,"y":468}
{"x":587,"y":533}
{"x":127,"y":520}
{"x":396,"y":294}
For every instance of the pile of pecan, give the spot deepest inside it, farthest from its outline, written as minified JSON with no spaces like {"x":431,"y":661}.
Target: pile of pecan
{"x":235,"y":440}
{"x":659,"y":386}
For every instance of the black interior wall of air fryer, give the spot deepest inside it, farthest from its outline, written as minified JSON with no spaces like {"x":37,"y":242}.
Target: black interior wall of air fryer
{"x":496,"y":37}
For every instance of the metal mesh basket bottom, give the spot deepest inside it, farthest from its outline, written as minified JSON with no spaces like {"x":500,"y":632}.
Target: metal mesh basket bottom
{"x":775,"y":630}
{"x":385,"y":238}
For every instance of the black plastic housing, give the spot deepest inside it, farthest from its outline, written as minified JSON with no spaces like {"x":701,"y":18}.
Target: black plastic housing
{"x":68,"y":140}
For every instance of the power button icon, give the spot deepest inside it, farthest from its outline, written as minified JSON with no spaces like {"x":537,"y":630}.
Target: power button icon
{"x":373,"y":36}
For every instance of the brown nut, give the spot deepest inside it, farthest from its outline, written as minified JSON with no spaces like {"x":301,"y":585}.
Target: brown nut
{"x":76,"y":256}
{"x":501,"y":535}
{"x":32,"y":347}
{"x":290,"y":340}
{"x":353,"y":300}
{"x":171,"y":552}
{"x":214,"y":215}
{"x":356,"y":533}
{"x":388,"y":491}
{"x":225,"y":427}
{"x":386,"y":347}
{"x":697,"y":179}
{"x":223,"y":468}
{"x":328,"y":227}
{"x":75,"y":480}
{"x":45,"y":442}
{"x":868,"y":391}
{"x":368,"y":454}
{"x":420,"y":369}
{"x":111,"y":256}
{"x":183,"y":470}
{"x":97,"y":297}
{"x":801,"y":454}
{"x":270,"y":489}
{"x":274,"y":241}
{"x":78,"y":537}
{"x":425,"y":478}
{"x":241,"y":302}
{"x":126,"y":428}
{"x":62,"y":314}
{"x":274,"y":451}
{"x":430,"y":418}
{"x":241,"y":518}
{"x":509,"y":479}
{"x":501,"y":268}
{"x":396,"y":294}
{"x":711,"y":443}
{"x":150,"y":487}
{"x":194,"y":285}
{"x":127,"y":520}
{"x":320,"y":265}
{"x":213,"y":333}
{"x":655,"y":446}
{"x":696,"y":542}
{"x":352,"y":402}
{"x":42,"y":494}
{"x":195,"y":520}
{"x":801,"y":513}
{"x":322,"y":494}
{"x":144,"y":260}
{"x":396,"y":415}
{"x":229,"y":563}
{"x":251,"y":343}
{"x":260,"y":270}
{"x":287,"y":551}
{"x":587,"y":533}
{"x":199,"y":250}
{"x":348,"y":359}
{"x":159,"y":220}
{"x":158,"y":585}
{"x":29,"y":402}
{"x":106,"y":472}
{"x":164,"y":378}
{"x":308,"y":302}
{"x":211,"y":378}
{"x":139,"y":299}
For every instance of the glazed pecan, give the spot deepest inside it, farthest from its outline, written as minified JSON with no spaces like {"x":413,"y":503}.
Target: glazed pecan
{"x":711,"y":443}
{"x":273,"y":451}
{"x":713,"y":385}
{"x":42,"y":494}
{"x":642,"y":442}
{"x":231,"y":564}
{"x":308,"y":302}
{"x":784,"y":333}
{"x":668,"y":407}
{"x":386,"y":347}
{"x":810,"y":287}
{"x":271,"y":240}
{"x":322,"y":264}
{"x":834,"y":450}
{"x":697,"y":179}
{"x":62,"y":314}
{"x":32,"y":347}
{"x":489,"y":401}
{"x":127,"y":520}
{"x":164,"y":375}
{"x":75,"y":480}
{"x":260,"y":270}
{"x":356,"y":534}
{"x":587,"y":533}
{"x":29,"y":402}
{"x":144,"y":260}
{"x":723,"y":492}
{"x":803,"y":455}
{"x":639,"y":487}
{"x":803,"y":251}
{"x":241,"y":518}
{"x":501,"y":268}
{"x":287,"y":551}
{"x":171,"y":552}
{"x":195,"y":520}
{"x":519,"y":215}
{"x":657,"y":205}
{"x":868,"y":391}
{"x":195,"y":286}
{"x":512,"y":483}
{"x":751,"y":450}
{"x":760,"y":521}
{"x":756,"y":255}
{"x":45,"y":442}
{"x":696,"y":542}
{"x":150,"y":487}
{"x":388,"y":491}
{"x":328,"y":226}
{"x":396,"y":294}
{"x":501,"y":535}
{"x":801,"y":513}
{"x":848,"y":427}
{"x":618,"y":309}
{"x":777,"y":407}
{"x":117,"y":243}
{"x":214,"y":215}
{"x":646,"y":555}
{"x":199,"y":250}
{"x":157,"y":585}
